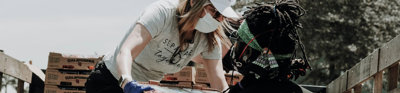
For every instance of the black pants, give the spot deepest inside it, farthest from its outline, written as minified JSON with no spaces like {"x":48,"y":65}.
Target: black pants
{"x":102,"y":81}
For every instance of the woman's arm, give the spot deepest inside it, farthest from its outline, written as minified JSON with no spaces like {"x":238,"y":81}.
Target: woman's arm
{"x":215,"y":74}
{"x":214,"y":71}
{"x":131,"y":47}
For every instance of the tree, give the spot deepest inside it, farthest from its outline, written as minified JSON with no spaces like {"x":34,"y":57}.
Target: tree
{"x":8,"y":81}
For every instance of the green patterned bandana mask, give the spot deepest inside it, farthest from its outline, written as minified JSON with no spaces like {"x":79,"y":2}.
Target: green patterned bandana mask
{"x":246,"y":36}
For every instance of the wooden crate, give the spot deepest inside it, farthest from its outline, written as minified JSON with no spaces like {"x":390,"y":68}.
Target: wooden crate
{"x":66,"y":77}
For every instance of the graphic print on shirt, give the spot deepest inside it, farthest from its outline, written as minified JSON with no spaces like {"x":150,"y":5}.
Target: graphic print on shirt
{"x":169,"y":53}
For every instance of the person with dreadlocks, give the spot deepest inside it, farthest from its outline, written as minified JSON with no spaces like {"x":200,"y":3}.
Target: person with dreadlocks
{"x":265,"y":46}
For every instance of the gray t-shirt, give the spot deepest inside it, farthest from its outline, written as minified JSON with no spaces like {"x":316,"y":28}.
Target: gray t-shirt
{"x":152,"y":63}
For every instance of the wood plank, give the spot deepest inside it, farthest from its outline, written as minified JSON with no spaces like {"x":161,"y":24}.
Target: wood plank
{"x":357,"y":88}
{"x":20,"y":87}
{"x":334,"y":86}
{"x":348,"y":91}
{"x":374,"y":62}
{"x":2,"y":61}
{"x":378,"y":82}
{"x":12,"y":67}
{"x":337,"y":86}
{"x":393,"y":75}
{"x":26,"y":73}
{"x":15,"y":68}
{"x":397,"y":90}
{"x":1,"y":79}
{"x":331,"y":87}
{"x":390,"y":53}
{"x":343,"y":82}
{"x":365,"y":68}
{"x":354,"y":76}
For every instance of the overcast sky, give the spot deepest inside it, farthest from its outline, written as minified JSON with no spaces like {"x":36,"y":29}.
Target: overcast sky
{"x":30,"y":29}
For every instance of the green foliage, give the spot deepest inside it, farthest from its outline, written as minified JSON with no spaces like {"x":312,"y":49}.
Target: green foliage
{"x":11,"y":81}
{"x":8,"y":81}
{"x":337,"y":34}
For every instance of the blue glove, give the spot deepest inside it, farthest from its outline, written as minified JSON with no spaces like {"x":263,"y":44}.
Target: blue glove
{"x":134,"y":87}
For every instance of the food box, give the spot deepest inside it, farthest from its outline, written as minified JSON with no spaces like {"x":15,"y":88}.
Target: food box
{"x":57,"y":89}
{"x":201,"y":76}
{"x":186,"y":74}
{"x":66,"y":77}
{"x":73,"y":62}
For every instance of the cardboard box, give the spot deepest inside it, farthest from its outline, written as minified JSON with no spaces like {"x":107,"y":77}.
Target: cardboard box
{"x":74,"y":62}
{"x":57,"y":89}
{"x":66,"y":77}
{"x":186,"y":74}
{"x":187,"y":84}
{"x":237,"y":77}
{"x":203,"y":86}
{"x":201,"y":76}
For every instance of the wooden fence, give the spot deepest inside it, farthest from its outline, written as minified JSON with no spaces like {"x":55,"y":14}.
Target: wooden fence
{"x":386,"y":58}
{"x":22,"y":71}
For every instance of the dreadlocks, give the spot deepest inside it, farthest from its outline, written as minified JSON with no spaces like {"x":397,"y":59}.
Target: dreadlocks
{"x":277,"y":21}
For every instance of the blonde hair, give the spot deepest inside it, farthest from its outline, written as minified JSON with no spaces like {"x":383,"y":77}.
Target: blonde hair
{"x":188,"y":17}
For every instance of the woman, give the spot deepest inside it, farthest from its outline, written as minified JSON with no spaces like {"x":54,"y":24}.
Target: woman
{"x":168,"y":35}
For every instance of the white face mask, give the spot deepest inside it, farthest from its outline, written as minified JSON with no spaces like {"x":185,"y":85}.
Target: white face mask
{"x":207,"y":24}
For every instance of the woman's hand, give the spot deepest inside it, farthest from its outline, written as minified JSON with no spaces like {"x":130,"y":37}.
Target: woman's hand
{"x":134,"y":87}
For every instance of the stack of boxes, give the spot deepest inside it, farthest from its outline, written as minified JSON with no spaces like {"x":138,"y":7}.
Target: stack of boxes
{"x":201,"y":79}
{"x":68,"y":74}
{"x":194,"y":77}
{"x":183,"y":78}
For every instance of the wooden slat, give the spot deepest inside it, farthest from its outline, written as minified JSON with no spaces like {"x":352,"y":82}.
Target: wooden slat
{"x":365,"y":69}
{"x":343,"y":82}
{"x":378,"y":82}
{"x":2,"y":61}
{"x":397,"y":90}
{"x":26,"y":73}
{"x":331,"y":87}
{"x":374,"y":62}
{"x":20,"y":87}
{"x":334,"y":86}
{"x":354,"y":76}
{"x":337,"y":86}
{"x":12,"y":67}
{"x":348,"y":91}
{"x":357,"y":88}
{"x":390,"y":53}
{"x":15,"y":68}
{"x":1,"y":79}
{"x":393,"y":75}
